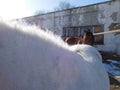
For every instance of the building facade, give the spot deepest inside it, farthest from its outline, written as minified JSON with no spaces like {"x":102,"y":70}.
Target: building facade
{"x":72,"y":22}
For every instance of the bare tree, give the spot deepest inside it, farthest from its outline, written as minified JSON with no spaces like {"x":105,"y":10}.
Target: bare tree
{"x":63,"y":5}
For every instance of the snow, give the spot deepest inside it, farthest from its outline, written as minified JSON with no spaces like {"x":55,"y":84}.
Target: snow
{"x":113,"y":67}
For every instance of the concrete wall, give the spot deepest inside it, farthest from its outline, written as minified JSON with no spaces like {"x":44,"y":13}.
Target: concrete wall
{"x":97,"y":14}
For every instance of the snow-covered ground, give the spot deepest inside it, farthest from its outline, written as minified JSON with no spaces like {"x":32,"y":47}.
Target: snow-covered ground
{"x":113,"y":67}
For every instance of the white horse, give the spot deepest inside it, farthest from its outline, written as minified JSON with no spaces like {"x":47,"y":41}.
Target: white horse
{"x":31,"y":59}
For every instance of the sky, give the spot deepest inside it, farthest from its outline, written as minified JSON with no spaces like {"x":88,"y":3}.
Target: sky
{"x":14,"y":9}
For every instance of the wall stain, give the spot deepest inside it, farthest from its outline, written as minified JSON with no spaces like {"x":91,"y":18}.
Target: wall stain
{"x":114,"y":16}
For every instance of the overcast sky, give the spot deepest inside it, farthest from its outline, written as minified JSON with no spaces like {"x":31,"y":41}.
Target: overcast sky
{"x":12,"y":9}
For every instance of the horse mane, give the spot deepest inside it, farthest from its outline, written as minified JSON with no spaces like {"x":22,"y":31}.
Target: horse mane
{"x":34,"y":31}
{"x":88,"y":38}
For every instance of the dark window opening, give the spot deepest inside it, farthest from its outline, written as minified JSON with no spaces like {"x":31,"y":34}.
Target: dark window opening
{"x":79,"y":31}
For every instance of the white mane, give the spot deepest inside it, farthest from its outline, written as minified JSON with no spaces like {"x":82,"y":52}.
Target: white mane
{"x":33,"y":30}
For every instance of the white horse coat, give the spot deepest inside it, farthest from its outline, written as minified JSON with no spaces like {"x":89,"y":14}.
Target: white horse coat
{"x":31,"y":59}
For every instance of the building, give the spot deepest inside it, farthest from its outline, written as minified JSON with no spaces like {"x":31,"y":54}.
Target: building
{"x":72,"y":22}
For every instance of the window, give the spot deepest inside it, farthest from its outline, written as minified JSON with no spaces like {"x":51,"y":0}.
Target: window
{"x":79,"y":31}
